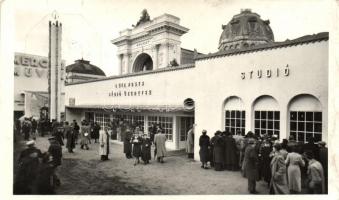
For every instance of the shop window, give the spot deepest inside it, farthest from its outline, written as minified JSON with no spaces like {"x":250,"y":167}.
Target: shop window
{"x":235,"y":121}
{"x":132,"y":120}
{"x":267,"y":122}
{"x":306,"y":124}
{"x":102,"y":119}
{"x":166,"y":123}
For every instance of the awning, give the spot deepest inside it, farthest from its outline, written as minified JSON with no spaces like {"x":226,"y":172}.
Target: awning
{"x":133,"y":108}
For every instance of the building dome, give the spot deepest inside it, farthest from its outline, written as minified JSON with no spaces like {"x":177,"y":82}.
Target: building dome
{"x":245,"y":30}
{"x":84,"y":67}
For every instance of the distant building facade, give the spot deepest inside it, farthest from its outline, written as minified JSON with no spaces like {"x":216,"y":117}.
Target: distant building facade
{"x":252,"y":83}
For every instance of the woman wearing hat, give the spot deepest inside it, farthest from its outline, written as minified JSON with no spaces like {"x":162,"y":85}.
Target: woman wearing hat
{"x":204,"y":143}
{"x":250,"y":165}
{"x":294,"y":161}
{"x":278,"y":183}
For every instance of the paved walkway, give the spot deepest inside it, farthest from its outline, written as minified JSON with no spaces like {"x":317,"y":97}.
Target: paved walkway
{"x":83,"y":173}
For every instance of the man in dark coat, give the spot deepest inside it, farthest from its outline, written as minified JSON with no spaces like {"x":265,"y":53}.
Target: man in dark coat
{"x":27,"y":171}
{"x":152,"y":131}
{"x":128,"y":144}
{"x":212,"y":149}
{"x":76,"y":129}
{"x":55,"y":151}
{"x":265,"y":159}
{"x":204,"y":143}
{"x":218,"y":152}
{"x":26,"y":128}
{"x":311,"y":146}
{"x":231,"y":160}
{"x":96,"y":129}
{"x":44,"y":180}
{"x":250,"y":165}
{"x":70,"y":136}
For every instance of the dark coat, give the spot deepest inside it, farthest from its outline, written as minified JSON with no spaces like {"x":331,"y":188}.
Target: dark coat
{"x":127,"y":142}
{"x":96,"y":129}
{"x":136,"y":141}
{"x":43,"y":180}
{"x":265,"y":161}
{"x":218,"y":150}
{"x":250,"y":163}
{"x":70,"y":136}
{"x":59,"y":134}
{"x":56,"y":152}
{"x":230,"y":152}
{"x":312,"y":147}
{"x":146,"y":149}
{"x":204,"y":143}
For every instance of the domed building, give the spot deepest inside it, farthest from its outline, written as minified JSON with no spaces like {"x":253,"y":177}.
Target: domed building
{"x":82,"y":70}
{"x":245,"y":30}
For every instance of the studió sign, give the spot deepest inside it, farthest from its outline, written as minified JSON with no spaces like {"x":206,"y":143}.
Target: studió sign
{"x":266,"y":73}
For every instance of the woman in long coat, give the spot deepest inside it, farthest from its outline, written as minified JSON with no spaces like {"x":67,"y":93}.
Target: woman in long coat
{"x":294,"y":161}
{"x":136,"y":140}
{"x":146,"y":149}
{"x":104,"y":144}
{"x":231,"y":160}
{"x":204,"y":143}
{"x":84,"y":134}
{"x":160,"y":142}
{"x":250,"y":165}
{"x":278,"y":183}
{"x":127,"y":143}
{"x":218,"y":152}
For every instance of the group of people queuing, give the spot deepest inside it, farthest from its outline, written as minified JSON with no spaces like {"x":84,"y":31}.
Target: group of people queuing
{"x":138,"y":144}
{"x":286,"y":166}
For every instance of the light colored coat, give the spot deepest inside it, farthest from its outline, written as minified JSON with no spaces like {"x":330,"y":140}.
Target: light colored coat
{"x":160,"y":141}
{"x":103,"y":140}
{"x":279,"y":178}
{"x":294,"y":161}
{"x":190,"y":141}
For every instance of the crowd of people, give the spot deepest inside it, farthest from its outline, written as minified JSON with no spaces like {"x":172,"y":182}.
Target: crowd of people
{"x":138,"y":144}
{"x":286,"y":166}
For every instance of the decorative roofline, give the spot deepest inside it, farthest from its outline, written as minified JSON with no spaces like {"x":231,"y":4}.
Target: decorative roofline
{"x":161,"y":70}
{"x":323,"y":36}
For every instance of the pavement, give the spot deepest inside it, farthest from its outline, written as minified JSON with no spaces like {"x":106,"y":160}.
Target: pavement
{"x":82,"y":173}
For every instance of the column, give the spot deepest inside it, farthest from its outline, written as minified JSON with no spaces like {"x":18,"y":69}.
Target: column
{"x":155,"y":56}
{"x":283,"y":123}
{"x":119,"y":56}
{"x":126,"y":62}
{"x":166,"y":59}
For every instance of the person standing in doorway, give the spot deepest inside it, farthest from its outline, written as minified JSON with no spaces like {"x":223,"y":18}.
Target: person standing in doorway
{"x":190,"y":143}
{"x":104,"y":139}
{"x":160,"y":141}
{"x":204,"y":143}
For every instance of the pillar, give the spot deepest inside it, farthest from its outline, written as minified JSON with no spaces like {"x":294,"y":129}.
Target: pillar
{"x":126,"y":62}
{"x":166,"y":54}
{"x":119,"y":64}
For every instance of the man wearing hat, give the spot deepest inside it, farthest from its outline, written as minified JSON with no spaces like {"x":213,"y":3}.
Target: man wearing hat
{"x":27,"y":172}
{"x":315,"y":173}
{"x":250,"y":165}
{"x":204,"y":143}
{"x":56,"y":152}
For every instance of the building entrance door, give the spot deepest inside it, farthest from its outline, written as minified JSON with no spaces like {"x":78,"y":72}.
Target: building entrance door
{"x":184,"y":126}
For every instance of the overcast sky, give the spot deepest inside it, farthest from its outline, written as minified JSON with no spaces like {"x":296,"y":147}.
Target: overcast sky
{"x":89,"y":26}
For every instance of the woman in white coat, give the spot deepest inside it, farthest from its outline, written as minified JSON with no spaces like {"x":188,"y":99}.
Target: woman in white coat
{"x":104,"y":143}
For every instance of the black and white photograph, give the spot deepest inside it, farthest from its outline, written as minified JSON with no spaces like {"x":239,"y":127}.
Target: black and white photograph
{"x":146,"y":97}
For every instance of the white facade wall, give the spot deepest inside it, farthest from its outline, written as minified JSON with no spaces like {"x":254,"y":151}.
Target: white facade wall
{"x":308,"y":64}
{"x":213,"y":80}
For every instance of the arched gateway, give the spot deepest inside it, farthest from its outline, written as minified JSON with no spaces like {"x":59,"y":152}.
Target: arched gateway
{"x":143,"y":62}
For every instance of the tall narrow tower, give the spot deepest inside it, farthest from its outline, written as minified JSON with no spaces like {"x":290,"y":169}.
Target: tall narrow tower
{"x":55,"y":76}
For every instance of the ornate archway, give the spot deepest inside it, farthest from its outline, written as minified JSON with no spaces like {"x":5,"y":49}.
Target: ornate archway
{"x":143,"y":62}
